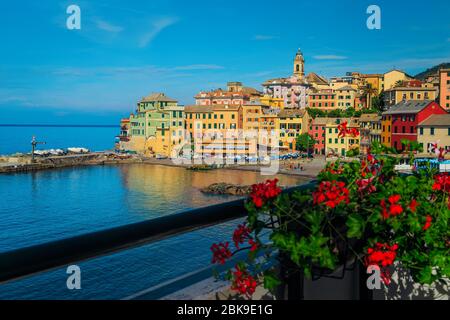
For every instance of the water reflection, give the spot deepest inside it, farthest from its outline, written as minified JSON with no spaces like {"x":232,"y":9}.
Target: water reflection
{"x":156,"y":188}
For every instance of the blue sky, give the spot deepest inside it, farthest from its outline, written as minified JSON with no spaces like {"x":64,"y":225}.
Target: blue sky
{"x":127,"y":49}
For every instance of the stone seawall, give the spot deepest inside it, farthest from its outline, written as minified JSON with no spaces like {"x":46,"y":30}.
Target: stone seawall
{"x":24,"y":164}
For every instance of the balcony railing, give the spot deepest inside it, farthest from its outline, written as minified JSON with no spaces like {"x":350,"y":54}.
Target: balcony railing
{"x":28,"y":261}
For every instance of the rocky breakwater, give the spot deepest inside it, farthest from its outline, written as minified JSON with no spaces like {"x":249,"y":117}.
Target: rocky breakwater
{"x":24,"y":163}
{"x":227,"y":189}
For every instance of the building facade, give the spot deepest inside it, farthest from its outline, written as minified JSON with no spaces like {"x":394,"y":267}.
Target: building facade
{"x":336,"y":145}
{"x":370,"y":131}
{"x":293,"y":90}
{"x":395,"y":95}
{"x":444,"y":88}
{"x":435,"y":130}
{"x":406,"y":116}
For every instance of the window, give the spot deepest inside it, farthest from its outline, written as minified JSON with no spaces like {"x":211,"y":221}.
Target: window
{"x":330,"y":140}
{"x":174,"y":114}
{"x":448,"y":133}
{"x":412,"y":130}
{"x":421,"y":131}
{"x":432,"y":131}
{"x":221,"y":116}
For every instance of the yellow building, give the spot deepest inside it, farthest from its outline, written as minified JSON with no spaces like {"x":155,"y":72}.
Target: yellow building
{"x":386,"y":130}
{"x":272,"y":102}
{"x":345,"y":97}
{"x":339,"y":146}
{"x":292,"y":122}
{"x":251,"y":113}
{"x":374,"y":80}
{"x":216,"y":131}
{"x":435,"y":129}
{"x":168,"y":132}
{"x":391,"y":78}
{"x":269,"y":124}
{"x":397,"y":94}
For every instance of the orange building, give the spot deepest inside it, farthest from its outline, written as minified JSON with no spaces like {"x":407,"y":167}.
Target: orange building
{"x":444,"y":88}
{"x":322,"y":99}
{"x":386,"y":130}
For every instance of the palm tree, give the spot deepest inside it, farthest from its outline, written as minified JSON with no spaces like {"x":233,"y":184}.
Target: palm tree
{"x":369,"y":91}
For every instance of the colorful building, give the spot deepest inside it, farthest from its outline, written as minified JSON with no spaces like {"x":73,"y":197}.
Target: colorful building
{"x":376,"y":81}
{"x":317,"y":130}
{"x":292,"y":123}
{"x":271,"y":101}
{"x":152,"y":123}
{"x":235,"y":94}
{"x":405,"y":118}
{"x":336,"y":145}
{"x":293,"y":90}
{"x":393,"y":77}
{"x":215,"y":131}
{"x":323,"y":99}
{"x":345,"y":97}
{"x":370,"y":131}
{"x":395,"y":95}
{"x":435,"y":130}
{"x":444,"y":88}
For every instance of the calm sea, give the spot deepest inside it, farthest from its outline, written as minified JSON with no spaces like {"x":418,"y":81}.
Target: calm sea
{"x":17,"y":138}
{"x":43,"y":206}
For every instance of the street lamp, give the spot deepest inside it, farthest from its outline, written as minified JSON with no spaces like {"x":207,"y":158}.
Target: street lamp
{"x":33,"y":146}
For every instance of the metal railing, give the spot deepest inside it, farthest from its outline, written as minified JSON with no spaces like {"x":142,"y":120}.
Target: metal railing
{"x":20,"y":263}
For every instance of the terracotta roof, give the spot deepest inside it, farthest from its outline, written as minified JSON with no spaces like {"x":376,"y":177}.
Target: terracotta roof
{"x":290,"y":113}
{"x":440,"y":120}
{"x":315,"y":78}
{"x":211,"y":108}
{"x":412,"y":89}
{"x":158,"y":97}
{"x":369,"y":117}
{"x":346,"y":88}
{"x":408,"y":106}
{"x":321,"y":121}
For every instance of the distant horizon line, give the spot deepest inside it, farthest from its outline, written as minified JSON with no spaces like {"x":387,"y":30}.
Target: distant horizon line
{"x":57,"y":125}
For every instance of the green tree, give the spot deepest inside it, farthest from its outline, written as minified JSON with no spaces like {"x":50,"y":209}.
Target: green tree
{"x":304,"y":142}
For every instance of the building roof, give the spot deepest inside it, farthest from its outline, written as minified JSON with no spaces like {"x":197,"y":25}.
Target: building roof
{"x":315,"y":78}
{"x":211,"y":108}
{"x":409,"y":76}
{"x":369,"y":117}
{"x":346,"y":88}
{"x":158,"y":96}
{"x":289,"y":113}
{"x":408,"y":106}
{"x":437,"y":120}
{"x":321,"y":121}
{"x":412,"y":89}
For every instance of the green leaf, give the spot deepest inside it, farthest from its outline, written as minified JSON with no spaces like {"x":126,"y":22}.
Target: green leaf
{"x":355,"y":224}
{"x":271,"y":281}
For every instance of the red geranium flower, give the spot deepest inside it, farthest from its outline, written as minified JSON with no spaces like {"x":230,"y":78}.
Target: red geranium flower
{"x":242,"y":282}
{"x":382,"y":255}
{"x":262,"y":192}
{"x":344,"y":131}
{"x":394,"y":208}
{"x":331,"y":193}
{"x":413,"y":205}
{"x":221,"y":252}
{"x":427,"y":222}
{"x":240,"y":234}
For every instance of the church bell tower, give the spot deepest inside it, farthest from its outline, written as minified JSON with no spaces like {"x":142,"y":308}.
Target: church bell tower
{"x":299,"y":65}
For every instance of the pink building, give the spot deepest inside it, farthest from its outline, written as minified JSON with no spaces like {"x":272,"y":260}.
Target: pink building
{"x":317,"y":131}
{"x":235,"y":94}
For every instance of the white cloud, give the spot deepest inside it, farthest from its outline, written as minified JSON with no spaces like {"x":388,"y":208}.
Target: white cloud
{"x":106,"y":26}
{"x":262,"y":37}
{"x":329,"y":57}
{"x":157,"y":26}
